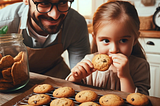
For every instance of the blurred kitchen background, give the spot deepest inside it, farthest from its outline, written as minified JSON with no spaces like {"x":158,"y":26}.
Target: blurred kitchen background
{"x":150,"y":36}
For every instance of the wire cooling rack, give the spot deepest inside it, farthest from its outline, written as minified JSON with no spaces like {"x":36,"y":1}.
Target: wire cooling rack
{"x":24,"y":101}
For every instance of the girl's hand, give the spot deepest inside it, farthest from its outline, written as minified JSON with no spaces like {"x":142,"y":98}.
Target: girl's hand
{"x":120,"y":61}
{"x":82,"y":70}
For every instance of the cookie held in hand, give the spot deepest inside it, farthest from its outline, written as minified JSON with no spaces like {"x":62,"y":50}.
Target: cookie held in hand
{"x":101,"y":62}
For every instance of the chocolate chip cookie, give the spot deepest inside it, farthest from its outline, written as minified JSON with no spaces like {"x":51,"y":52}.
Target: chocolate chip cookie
{"x":62,"y":102}
{"x":137,"y":99}
{"x":101,"y":62}
{"x":89,"y":104}
{"x":111,"y":100}
{"x":39,"y":99}
{"x":86,"y":96}
{"x":43,"y":88}
{"x":64,"y":92}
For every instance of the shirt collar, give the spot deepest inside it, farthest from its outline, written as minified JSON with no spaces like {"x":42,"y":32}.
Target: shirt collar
{"x":24,"y":17}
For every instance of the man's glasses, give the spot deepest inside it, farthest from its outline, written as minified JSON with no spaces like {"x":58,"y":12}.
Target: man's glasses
{"x":45,"y":7}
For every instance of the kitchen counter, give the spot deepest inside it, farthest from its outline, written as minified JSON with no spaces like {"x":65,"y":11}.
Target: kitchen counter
{"x":150,"y":34}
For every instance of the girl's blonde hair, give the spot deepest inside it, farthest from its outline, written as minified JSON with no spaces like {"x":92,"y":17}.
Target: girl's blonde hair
{"x":118,"y":10}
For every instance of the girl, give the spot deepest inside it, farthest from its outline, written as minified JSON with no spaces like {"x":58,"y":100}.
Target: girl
{"x":115,"y":32}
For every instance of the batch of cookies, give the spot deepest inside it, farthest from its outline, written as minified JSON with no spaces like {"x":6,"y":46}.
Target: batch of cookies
{"x":13,"y":71}
{"x":66,"y":96}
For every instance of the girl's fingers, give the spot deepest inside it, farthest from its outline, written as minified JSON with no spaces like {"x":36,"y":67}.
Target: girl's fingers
{"x":86,"y":62}
{"x":87,"y":65}
{"x":83,"y":69}
{"x":118,"y":58}
{"x":76,"y":72}
{"x":79,"y":72}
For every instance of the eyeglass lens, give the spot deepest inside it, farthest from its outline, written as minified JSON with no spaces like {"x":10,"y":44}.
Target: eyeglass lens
{"x":46,"y":7}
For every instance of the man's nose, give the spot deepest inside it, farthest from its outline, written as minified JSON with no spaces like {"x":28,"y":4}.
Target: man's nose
{"x":114,"y":48}
{"x":54,"y":13}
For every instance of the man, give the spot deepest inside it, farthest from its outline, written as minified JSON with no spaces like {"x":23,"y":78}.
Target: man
{"x":49,"y":27}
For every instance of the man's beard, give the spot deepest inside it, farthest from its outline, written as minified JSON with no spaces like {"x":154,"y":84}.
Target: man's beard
{"x":52,"y":29}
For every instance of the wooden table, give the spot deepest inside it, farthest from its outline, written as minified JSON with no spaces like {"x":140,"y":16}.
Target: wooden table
{"x":7,"y":98}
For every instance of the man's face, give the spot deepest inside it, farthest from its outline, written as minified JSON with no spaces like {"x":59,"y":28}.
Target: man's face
{"x":46,"y":23}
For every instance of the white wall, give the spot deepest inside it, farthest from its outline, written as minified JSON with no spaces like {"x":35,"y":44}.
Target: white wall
{"x":145,"y":10}
{"x":88,"y":7}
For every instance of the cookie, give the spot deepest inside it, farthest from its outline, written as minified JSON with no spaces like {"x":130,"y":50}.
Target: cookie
{"x":13,"y":70}
{"x":6,"y":61}
{"x":19,"y":72}
{"x":89,"y":104}
{"x":18,"y":57}
{"x":63,"y":92}
{"x":86,"y":96}
{"x":43,"y":88}
{"x":39,"y":99}
{"x":62,"y":102}
{"x":101,"y":62}
{"x":6,"y":73}
{"x":5,"y":80}
{"x":111,"y":100}
{"x":137,"y":99}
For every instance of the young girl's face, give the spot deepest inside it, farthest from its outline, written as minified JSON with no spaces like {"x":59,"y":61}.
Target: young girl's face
{"x":115,"y":37}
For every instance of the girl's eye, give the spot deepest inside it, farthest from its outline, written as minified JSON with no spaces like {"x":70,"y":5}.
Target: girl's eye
{"x":105,"y":41}
{"x":123,"y":40}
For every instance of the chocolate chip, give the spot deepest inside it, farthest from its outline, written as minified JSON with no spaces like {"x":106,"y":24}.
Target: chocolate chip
{"x":79,"y":96}
{"x":104,"y":60}
{"x":132,"y":99}
{"x":56,"y":93}
{"x":35,"y":102}
{"x":106,"y":101}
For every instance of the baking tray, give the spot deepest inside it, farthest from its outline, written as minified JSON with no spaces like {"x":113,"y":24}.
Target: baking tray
{"x":24,"y":101}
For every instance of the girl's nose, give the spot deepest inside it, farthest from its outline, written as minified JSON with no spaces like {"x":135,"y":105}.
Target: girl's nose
{"x":114,"y":48}
{"x":54,"y":13}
